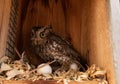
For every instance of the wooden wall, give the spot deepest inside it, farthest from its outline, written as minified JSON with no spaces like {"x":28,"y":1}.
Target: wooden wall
{"x":4,"y":20}
{"x":85,"y":23}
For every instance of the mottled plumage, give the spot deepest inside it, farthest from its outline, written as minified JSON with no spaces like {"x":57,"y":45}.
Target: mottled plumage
{"x":49,"y":46}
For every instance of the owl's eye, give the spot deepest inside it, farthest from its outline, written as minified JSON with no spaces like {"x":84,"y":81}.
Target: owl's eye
{"x":42,"y":35}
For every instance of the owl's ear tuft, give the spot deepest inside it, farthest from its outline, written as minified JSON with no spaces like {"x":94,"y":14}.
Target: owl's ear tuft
{"x":35,"y":28}
{"x":50,"y":27}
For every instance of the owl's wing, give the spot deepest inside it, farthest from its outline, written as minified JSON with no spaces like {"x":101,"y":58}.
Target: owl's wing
{"x":67,"y":49}
{"x":64,"y":46}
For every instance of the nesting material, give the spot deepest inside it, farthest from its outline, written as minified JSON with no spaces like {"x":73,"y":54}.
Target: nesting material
{"x":12,"y":73}
{"x":20,"y":70}
{"x":5,"y":67}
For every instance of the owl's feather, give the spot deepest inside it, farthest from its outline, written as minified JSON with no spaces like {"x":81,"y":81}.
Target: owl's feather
{"x":53,"y":47}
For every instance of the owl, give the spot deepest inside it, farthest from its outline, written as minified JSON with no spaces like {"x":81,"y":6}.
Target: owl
{"x":50,"y":46}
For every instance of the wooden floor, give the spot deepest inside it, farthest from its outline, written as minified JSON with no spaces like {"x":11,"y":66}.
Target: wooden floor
{"x":46,"y":82}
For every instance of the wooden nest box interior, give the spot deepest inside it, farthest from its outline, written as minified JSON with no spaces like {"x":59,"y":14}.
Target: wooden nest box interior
{"x":85,"y":23}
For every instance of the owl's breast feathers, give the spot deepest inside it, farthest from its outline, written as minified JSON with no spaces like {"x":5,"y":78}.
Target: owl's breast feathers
{"x":57,"y":48}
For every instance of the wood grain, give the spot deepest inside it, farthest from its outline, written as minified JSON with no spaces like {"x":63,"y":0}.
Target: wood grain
{"x":4,"y":25}
{"x":1,"y":12}
{"x":47,"y":82}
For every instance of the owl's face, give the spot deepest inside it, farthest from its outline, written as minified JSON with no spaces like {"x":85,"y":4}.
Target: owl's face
{"x":39,"y":35}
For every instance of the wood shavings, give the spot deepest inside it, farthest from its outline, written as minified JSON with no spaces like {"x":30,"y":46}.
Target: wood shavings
{"x":93,"y":73}
{"x":65,"y":81}
{"x":82,"y":76}
{"x":5,"y":67}
{"x":96,"y":73}
{"x":13,"y":73}
{"x":22,"y":70}
{"x":4,"y":59}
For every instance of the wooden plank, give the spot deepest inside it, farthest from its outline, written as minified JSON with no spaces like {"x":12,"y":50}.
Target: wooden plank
{"x":100,"y":42}
{"x":87,"y":82}
{"x":1,"y":12}
{"x":47,"y":82}
{"x":4,"y":26}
